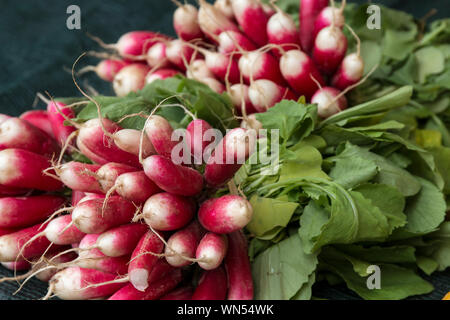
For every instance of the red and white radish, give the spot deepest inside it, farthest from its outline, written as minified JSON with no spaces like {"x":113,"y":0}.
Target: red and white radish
{"x":214,"y":84}
{"x":39,"y":119}
{"x":122,"y":240}
{"x":160,"y":74}
{"x":130,"y":79}
{"x":20,"y":265}
{"x":179,"y":53}
{"x":168,"y":212}
{"x":225,"y":7}
{"x":329,"y":101}
{"x":234,"y":42}
{"x":135,"y":187}
{"x":185,"y":22}
{"x":61,"y":231}
{"x":264,"y":94}
{"x":211,"y":286}
{"x":56,"y":110}
{"x":108,"y":174}
{"x":212,"y":21}
{"x":239,"y":95}
{"x":282,"y":31}
{"x":257,"y":65}
{"x":252,"y":19}
{"x":199,"y":70}
{"x":211,"y":251}
{"x":156,"y":56}
{"x":80,"y":176}
{"x":107,"y":69}
{"x":329,"y":49}
{"x":309,"y":10}
{"x":129,"y":140}
{"x":196,"y":139}
{"x":159,"y":132}
{"x":328,"y":16}
{"x":173,"y":178}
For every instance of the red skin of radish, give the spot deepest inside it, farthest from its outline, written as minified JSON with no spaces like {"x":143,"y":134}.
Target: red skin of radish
{"x":54,"y":233}
{"x":39,"y":119}
{"x":91,"y":155}
{"x":93,"y":138}
{"x":212,"y":21}
{"x":211,"y":286}
{"x":173,"y":178}
{"x":252,"y":19}
{"x":60,"y":131}
{"x":108,"y":174}
{"x":329,"y":50}
{"x":21,"y":265}
{"x":237,"y":265}
{"x":325,"y":19}
{"x":350,"y":72}
{"x":184,"y":293}
{"x":11,"y":244}
{"x":309,"y":10}
{"x":156,"y":56}
{"x":23,"y":169}
{"x":260,"y":65}
{"x":5,"y":231}
{"x":20,"y":134}
{"x":141,"y":265}
{"x":212,"y":248}
{"x":107,"y":69}
{"x":228,"y":156}
{"x":153,"y":291}
{"x":71,"y":283}
{"x":225,"y":214}
{"x":46,"y":275}
{"x":219,"y":63}
{"x":10,"y":191}
{"x":185,"y":23}
{"x":281,"y":30}
{"x":168,"y":212}
{"x":80,"y":176}
{"x":130,"y":79}
{"x":160,"y":269}
{"x":184,"y":242}
{"x":323,"y":97}
{"x":76,"y":197}
{"x":195,"y":133}
{"x":122,"y":240}
{"x":135,"y":186}
{"x":27,"y":211}
{"x":179,"y":54}
{"x":236,"y":92}
{"x":161,"y":74}
{"x":89,"y":218}
{"x":136,"y":43}
{"x":297,"y":68}
{"x":264,"y":94}
{"x":159,"y":131}
{"x":231,"y":41}
{"x":113,"y":265}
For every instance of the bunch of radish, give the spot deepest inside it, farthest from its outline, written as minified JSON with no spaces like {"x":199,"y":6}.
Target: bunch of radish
{"x":137,"y":223}
{"x":253,"y":51}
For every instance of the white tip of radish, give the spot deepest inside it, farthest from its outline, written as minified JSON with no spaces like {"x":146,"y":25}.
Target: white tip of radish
{"x":156,"y":56}
{"x":353,"y":66}
{"x":327,"y":15}
{"x":292,"y":63}
{"x":130,"y":79}
{"x":214,"y":84}
{"x":264,"y":94}
{"x":241,"y":212}
{"x":331,"y":39}
{"x":139,"y":279}
{"x":8,"y":169}
{"x":67,"y":284}
{"x":238,"y":93}
{"x":212,"y":21}
{"x":241,"y":143}
{"x":175,"y":257}
{"x":8,"y":249}
{"x":279,"y":23}
{"x":225,"y":7}
{"x":199,"y":70}
{"x":129,"y":140}
{"x":326,"y":104}
{"x":185,"y":20}
{"x":251,"y":61}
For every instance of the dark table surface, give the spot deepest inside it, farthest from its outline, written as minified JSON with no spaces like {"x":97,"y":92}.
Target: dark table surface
{"x":37,"y":49}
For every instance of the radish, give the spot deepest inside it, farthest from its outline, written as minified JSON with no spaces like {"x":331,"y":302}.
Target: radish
{"x":212,"y":21}
{"x":214,"y":84}
{"x":130,"y":79}
{"x":27,"y":211}
{"x":129,"y":140}
{"x":76,"y":197}
{"x":12,"y":246}
{"x":4,"y":117}
{"x":239,"y":95}
{"x":20,"y":265}
{"x":211,"y":251}
{"x":199,"y":70}
{"x":143,"y":260}
{"x":211,"y":286}
{"x":181,"y":246}
{"x":5,"y":231}
{"x":160,"y":74}
{"x":264,"y":94}
{"x":237,"y":264}
{"x":39,"y":119}
{"x":326,"y":17}
{"x":234,"y":42}
{"x":92,"y":136}
{"x":96,"y":159}
{"x":185,"y":22}
{"x":106,"y":69}
{"x":47,"y":274}
{"x":92,"y":216}
{"x":184,"y":293}
{"x":24,"y":169}
{"x":257,"y":65}
{"x":195,"y":139}
{"x":61,"y":231}
{"x":153,"y":291}
{"x":282,"y":31}
{"x":228,"y":156}
{"x":10,"y":191}
{"x":80,"y":176}
{"x":329,"y":49}
{"x":134,"y":186}
{"x":179,"y":53}
{"x":113,"y":265}
{"x":225,"y":7}
{"x":309,"y":10}
{"x":268,"y":10}
{"x":173,"y":178}
{"x":297,"y":68}
{"x":156,"y":56}
{"x":252,"y":19}
{"x":108,"y":174}
{"x":329,"y":101}
{"x":60,"y":130}
{"x":225,"y":214}
{"x":168,"y":212}
{"x":72,"y":283}
{"x":159,"y":132}
{"x":20,"y":134}
{"x":122,"y":240}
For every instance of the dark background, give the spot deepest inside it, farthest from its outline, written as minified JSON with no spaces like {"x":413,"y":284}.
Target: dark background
{"x":36,"y":49}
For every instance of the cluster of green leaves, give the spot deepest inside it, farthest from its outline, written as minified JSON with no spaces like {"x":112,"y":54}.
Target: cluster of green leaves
{"x":350,"y":191}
